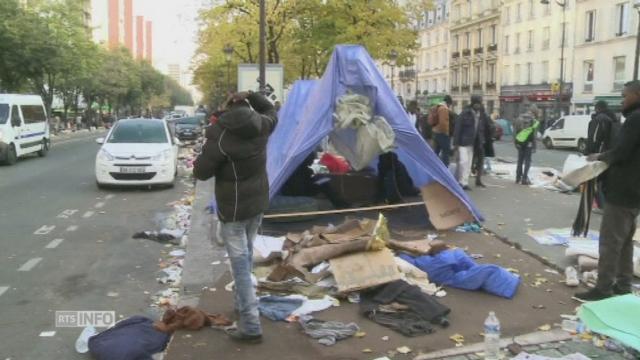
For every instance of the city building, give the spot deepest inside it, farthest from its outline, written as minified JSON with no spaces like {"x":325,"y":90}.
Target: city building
{"x":175,"y":73}
{"x":139,"y":37}
{"x":605,"y":45}
{"x":432,"y":60}
{"x":474,"y":28}
{"x":148,"y":42}
{"x":531,"y":57}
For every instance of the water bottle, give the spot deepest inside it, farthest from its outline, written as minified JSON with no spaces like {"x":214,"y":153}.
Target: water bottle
{"x":492,"y":337}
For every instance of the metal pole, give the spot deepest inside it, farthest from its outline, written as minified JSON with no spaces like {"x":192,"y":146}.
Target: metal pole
{"x":263,"y":45}
{"x":635,"y":68}
{"x":564,"y":25}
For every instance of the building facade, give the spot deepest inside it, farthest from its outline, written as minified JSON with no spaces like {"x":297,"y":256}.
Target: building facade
{"x":532,"y":54}
{"x":432,"y":59}
{"x":605,"y":43}
{"x":474,"y":54}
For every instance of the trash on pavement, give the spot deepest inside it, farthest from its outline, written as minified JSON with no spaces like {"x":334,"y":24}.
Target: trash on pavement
{"x":189,"y":318}
{"x":364,"y":270}
{"x":132,"y":338}
{"x":82,"y":343}
{"x":265,"y":245}
{"x":545,"y":327}
{"x":469,"y":227}
{"x":327,"y":332}
{"x":403,"y":350}
{"x":458,"y":339}
{"x":571,"y":276}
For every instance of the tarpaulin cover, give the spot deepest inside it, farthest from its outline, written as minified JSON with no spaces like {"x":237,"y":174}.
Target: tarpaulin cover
{"x":307,"y":118}
{"x":456,"y":269}
{"x":616,"y":317}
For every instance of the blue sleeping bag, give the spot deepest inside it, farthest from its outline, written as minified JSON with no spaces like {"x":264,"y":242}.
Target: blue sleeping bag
{"x":134,"y":338}
{"x":456,"y":269}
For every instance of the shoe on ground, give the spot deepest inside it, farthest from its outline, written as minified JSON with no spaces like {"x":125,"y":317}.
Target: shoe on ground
{"x":621,"y":290}
{"x":480,"y":184}
{"x":466,"y":187}
{"x":526,"y":182}
{"x":571,"y":276}
{"x":591,"y":295}
{"x":239,"y":336}
{"x":518,"y":180}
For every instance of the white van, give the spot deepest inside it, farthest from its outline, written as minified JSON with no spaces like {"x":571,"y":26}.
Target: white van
{"x":570,"y":131}
{"x":24,"y":128}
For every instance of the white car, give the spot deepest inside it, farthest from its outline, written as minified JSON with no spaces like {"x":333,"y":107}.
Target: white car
{"x":137,"y":152}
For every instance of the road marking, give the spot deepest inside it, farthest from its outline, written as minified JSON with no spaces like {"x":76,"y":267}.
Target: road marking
{"x":72,"y":228}
{"x":3,"y":289}
{"x":88,"y":214}
{"x":30,"y":264}
{"x":99,"y":205}
{"x":44,"y":230}
{"x":48,"y":334}
{"x":110,"y":196}
{"x":67,"y":213}
{"x":54,"y":243}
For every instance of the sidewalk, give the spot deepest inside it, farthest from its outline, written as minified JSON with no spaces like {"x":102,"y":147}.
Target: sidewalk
{"x":83,"y":133}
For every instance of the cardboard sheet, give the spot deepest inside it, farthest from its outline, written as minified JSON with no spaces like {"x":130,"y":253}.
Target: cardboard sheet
{"x":445,"y":210}
{"x":364,"y":270}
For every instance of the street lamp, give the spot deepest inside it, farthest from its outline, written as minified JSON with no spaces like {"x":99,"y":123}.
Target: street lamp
{"x":393,"y":56}
{"x":563,"y":4}
{"x":636,"y":5}
{"x":228,"y":53}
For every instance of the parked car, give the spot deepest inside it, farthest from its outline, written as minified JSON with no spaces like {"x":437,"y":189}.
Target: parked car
{"x":24,"y":128}
{"x":569,"y":131}
{"x":137,"y":152}
{"x":189,"y":128}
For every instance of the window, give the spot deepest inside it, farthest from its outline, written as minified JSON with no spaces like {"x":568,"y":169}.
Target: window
{"x":456,"y":43}
{"x":622,"y":19}
{"x":139,"y":131}
{"x":547,"y":9}
{"x":4,"y":113}
{"x":558,"y":125}
{"x":458,"y":12}
{"x":477,"y":74}
{"x":480,"y":38}
{"x":590,"y":26}
{"x":428,"y":39}
{"x":517,"y":47}
{"x":530,"y":41}
{"x":33,"y":114}
{"x":588,"y":75}
{"x":465,"y":76}
{"x":532,"y":10}
{"x":455,"y":78}
{"x":546,"y":38}
{"x":505,"y":75}
{"x":467,"y":40}
{"x":619,"y":69}
{"x":507,"y":15}
{"x":544,"y":72}
{"x":15,"y":115}
{"x":443,"y":81}
{"x":516,"y":75}
{"x":444,"y":58}
{"x":519,"y":12}
{"x":529,"y":73}
{"x":494,"y":34}
{"x":492,"y":73}
{"x":506,"y":44}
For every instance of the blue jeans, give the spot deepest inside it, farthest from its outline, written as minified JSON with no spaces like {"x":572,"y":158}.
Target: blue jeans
{"x":238,"y":238}
{"x":442,"y":147}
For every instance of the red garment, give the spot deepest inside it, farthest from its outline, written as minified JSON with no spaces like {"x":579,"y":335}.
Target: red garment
{"x":335,"y":164}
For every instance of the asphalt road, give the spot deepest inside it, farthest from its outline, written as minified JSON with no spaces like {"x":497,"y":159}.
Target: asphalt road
{"x":65,"y":245}
{"x":542,"y":157}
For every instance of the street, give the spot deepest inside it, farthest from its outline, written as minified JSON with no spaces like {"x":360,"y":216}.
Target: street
{"x":65,"y":245}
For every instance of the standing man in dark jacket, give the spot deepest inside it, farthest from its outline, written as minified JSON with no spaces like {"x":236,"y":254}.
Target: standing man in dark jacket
{"x":602,"y":131}
{"x":468,"y":138}
{"x":236,"y":154}
{"x":622,"y":191}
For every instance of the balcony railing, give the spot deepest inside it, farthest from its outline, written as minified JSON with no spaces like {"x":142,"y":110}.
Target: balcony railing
{"x":465,"y":87}
{"x":545,"y":45}
{"x":493,"y":47}
{"x":477,"y":86}
{"x":478,"y":50}
{"x":466,"y":52}
{"x":455,"y":54}
{"x":455,"y":88}
{"x":407,"y":75}
{"x":490,"y":85}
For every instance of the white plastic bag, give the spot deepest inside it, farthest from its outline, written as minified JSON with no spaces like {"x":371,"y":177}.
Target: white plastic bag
{"x":578,"y":170}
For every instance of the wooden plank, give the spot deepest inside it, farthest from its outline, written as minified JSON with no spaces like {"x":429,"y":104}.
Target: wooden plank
{"x":344,"y":211}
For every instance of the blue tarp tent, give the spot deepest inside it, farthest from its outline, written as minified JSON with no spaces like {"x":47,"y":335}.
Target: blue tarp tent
{"x":307,"y":118}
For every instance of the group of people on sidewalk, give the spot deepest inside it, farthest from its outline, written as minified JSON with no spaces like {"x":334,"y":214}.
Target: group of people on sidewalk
{"x":235,"y":154}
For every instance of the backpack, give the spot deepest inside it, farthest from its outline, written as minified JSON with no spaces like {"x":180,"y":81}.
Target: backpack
{"x":433,"y":120}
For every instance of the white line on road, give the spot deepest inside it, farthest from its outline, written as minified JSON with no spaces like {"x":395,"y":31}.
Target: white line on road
{"x":67,"y":213}
{"x":72,"y":228}
{"x":3,"y":289}
{"x":99,"y":205}
{"x":44,"y":230}
{"x":30,"y":264}
{"x":88,"y":214}
{"x":110,"y":196}
{"x":54,"y":243}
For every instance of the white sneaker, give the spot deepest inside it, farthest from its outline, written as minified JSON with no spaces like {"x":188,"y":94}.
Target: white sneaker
{"x":571,"y":275}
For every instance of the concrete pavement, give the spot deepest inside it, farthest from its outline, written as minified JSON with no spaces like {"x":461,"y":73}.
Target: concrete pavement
{"x":65,"y":245}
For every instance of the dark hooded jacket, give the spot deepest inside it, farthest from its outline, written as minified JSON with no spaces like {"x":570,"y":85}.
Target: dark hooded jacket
{"x":622,"y":179}
{"x":236,"y":154}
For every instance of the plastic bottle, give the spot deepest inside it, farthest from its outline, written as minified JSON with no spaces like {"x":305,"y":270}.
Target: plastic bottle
{"x":492,"y":337}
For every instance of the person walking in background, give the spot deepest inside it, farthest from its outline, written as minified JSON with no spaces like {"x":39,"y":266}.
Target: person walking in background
{"x":439,"y":120}
{"x":468,"y":139}
{"x":525,"y":141}
{"x":622,"y":206}
{"x":235,"y":153}
{"x":489,"y":133}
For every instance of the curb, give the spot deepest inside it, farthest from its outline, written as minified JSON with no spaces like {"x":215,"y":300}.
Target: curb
{"x":198,"y":272}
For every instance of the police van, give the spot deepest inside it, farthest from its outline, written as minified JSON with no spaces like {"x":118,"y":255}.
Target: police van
{"x":24,"y":128}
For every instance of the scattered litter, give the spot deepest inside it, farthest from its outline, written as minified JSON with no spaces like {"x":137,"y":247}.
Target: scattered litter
{"x":113,"y":294}
{"x":215,"y":263}
{"x":360,"y":334}
{"x":47,"y":334}
{"x":458,"y":339}
{"x":266,"y":245}
{"x":545,"y":327}
{"x":403,"y":350}
{"x":82,"y":342}
{"x":539,"y":307}
{"x":367,"y":351}
{"x":354,"y":297}
{"x":551,"y":271}
{"x":476,"y":256}
{"x":469,"y":227}
{"x":385,"y":338}
{"x":571,"y":275}
{"x":178,"y":253}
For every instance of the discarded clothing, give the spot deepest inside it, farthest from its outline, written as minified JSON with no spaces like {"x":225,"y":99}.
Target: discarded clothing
{"x":156,"y":236}
{"x":132,"y":338}
{"x":189,"y":318}
{"x":456,"y":269}
{"x":615,"y":317}
{"x":415,"y":276}
{"x":314,"y":305}
{"x":468,"y":227}
{"x":422,"y":309}
{"x":278,"y":308}
{"x":327,"y":332}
